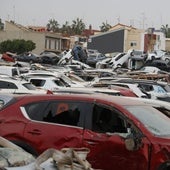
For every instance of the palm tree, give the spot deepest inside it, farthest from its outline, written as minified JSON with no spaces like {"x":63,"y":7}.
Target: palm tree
{"x":166,"y":30}
{"x":53,"y":25}
{"x":78,"y":26}
{"x":66,"y":29}
{"x":105,"y":27}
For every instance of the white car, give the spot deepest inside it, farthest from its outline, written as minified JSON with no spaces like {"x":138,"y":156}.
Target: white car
{"x":67,"y":59}
{"x":103,"y":63}
{"x":89,"y":90}
{"x":18,"y":86}
{"x":41,"y":73}
{"x":9,"y":70}
{"x":134,"y":87}
{"x":48,"y":82}
{"x":106,"y":63}
{"x":119,"y":60}
{"x":157,"y":54}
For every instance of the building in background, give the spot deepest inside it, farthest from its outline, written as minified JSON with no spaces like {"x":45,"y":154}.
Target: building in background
{"x":120,"y":38}
{"x":44,"y":40}
{"x":167,"y":44}
{"x":153,"y":40}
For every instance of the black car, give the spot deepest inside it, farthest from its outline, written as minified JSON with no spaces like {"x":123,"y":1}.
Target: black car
{"x":161,"y":64}
{"x":49,"y":58}
{"x":28,"y":57}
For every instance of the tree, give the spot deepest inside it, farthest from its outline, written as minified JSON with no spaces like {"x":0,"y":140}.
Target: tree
{"x":17,"y":46}
{"x":78,"y":26}
{"x":166,"y":30}
{"x":66,"y":29}
{"x":53,"y":25}
{"x":105,"y":27}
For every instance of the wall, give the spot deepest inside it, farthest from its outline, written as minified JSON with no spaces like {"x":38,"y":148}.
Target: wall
{"x":109,"y":42}
{"x":133,"y":39}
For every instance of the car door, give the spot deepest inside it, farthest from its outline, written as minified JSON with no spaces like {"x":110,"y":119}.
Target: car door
{"x":53,"y":124}
{"x":105,"y":138}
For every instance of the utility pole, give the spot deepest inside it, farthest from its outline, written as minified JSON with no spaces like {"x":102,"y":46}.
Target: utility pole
{"x":143,"y":20}
{"x":14,"y":13}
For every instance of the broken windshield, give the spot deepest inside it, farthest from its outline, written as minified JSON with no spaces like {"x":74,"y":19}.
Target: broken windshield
{"x":155,"y":121}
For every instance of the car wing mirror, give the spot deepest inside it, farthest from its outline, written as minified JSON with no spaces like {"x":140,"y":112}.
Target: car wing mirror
{"x":133,"y":141}
{"x":130,"y":144}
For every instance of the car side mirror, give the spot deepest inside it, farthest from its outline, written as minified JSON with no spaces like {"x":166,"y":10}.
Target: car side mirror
{"x":134,"y":140}
{"x":130,"y":144}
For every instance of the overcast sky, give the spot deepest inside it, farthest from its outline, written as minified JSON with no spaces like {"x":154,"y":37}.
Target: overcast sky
{"x":138,"y":13}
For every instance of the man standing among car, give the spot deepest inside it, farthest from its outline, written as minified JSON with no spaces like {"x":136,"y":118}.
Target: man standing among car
{"x":75,"y":51}
{"x":79,"y":53}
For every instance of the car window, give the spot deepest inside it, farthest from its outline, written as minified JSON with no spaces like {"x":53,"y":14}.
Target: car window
{"x":7,"y":85}
{"x":119,"y":56}
{"x":60,"y":83}
{"x":146,"y":87}
{"x":107,"y":120}
{"x":163,"y":110}
{"x":158,"y":89}
{"x":38,"y":82}
{"x":66,"y":113}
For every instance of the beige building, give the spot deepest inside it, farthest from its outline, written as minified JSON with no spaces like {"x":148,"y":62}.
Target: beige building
{"x":167,"y":46}
{"x":44,"y":40}
{"x":120,"y":38}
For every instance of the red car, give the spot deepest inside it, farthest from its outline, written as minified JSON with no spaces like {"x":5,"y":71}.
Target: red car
{"x":10,"y":57}
{"x":120,"y":133}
